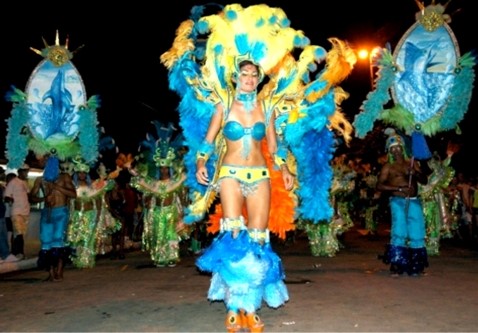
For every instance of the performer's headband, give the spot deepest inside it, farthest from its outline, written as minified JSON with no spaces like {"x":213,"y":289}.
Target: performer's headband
{"x":394,"y":140}
{"x":243,"y":60}
{"x":80,"y":166}
{"x":162,"y":161}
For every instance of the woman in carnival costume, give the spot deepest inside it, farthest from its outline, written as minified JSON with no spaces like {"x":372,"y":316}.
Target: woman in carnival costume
{"x":435,"y":207}
{"x":54,"y":120}
{"x":238,"y":141}
{"x":91,"y":223}
{"x":161,"y":181}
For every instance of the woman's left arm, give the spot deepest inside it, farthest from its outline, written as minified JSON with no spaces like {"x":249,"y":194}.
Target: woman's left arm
{"x":278,"y":159}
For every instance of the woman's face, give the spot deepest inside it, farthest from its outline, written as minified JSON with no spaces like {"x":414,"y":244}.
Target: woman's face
{"x":248,"y":78}
{"x":82,"y":175}
{"x":164,"y":170}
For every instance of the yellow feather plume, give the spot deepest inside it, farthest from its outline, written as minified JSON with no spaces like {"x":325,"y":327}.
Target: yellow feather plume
{"x":181,"y":44}
{"x":339,"y":64}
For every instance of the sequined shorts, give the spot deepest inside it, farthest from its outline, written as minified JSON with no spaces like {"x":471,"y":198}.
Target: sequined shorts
{"x":248,"y":177}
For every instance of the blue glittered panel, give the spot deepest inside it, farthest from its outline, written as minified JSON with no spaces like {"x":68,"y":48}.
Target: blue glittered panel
{"x":425,"y":61}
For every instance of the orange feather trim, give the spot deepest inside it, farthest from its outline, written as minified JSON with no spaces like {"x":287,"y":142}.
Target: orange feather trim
{"x":281,"y":216}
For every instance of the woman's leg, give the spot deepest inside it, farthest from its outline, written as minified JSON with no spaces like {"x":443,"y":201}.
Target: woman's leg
{"x":258,"y":206}
{"x":232,"y":202}
{"x":231,"y":197}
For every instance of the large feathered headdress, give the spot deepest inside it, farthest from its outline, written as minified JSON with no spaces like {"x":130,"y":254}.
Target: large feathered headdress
{"x":301,"y":95}
{"x":159,"y":149}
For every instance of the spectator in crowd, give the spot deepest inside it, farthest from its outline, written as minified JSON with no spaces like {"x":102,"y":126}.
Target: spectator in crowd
{"x":16,"y":194}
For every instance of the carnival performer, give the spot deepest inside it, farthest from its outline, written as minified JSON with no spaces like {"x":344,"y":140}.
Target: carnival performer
{"x":163,"y":198}
{"x":243,"y":180}
{"x":239,"y":140}
{"x":54,"y":190}
{"x":425,"y":102}
{"x":91,"y":223}
{"x":323,"y":236}
{"x":406,"y":252}
{"x":435,"y":209}
{"x":159,"y":176}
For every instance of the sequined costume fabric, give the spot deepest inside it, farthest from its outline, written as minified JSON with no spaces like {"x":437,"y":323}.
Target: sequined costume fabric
{"x":159,"y":234}
{"x":90,"y":229}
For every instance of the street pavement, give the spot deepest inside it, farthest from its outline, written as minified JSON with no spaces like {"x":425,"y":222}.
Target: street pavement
{"x":349,"y":292}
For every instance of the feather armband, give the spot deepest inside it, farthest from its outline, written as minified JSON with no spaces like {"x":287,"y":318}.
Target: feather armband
{"x":204,"y":151}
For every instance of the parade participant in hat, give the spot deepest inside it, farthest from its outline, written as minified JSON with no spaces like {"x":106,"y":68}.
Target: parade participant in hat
{"x":406,"y":252}
{"x":429,"y":83}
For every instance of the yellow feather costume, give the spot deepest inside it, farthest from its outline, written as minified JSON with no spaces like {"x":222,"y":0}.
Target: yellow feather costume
{"x":202,"y":62}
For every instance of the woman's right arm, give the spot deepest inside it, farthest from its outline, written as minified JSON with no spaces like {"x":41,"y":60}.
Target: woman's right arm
{"x":213,"y":129}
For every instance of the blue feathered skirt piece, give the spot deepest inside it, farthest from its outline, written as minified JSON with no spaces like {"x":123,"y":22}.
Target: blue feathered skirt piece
{"x":244,"y":273}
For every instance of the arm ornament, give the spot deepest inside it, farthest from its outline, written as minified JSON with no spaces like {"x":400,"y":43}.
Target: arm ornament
{"x":280,"y":157}
{"x":205,"y":150}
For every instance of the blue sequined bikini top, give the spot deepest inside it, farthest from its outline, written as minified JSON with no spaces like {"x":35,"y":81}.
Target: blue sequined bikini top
{"x":233,"y":131}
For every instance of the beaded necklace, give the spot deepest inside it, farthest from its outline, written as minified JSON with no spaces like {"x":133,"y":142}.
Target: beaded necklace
{"x":248,"y":99}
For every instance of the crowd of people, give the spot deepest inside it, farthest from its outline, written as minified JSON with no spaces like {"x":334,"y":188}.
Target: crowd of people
{"x":454,"y":214}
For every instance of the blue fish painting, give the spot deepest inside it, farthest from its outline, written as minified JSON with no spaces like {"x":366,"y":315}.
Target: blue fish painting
{"x":426,"y":61}
{"x":54,"y":95}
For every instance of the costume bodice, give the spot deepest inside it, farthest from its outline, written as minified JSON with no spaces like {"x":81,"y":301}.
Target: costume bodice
{"x":233,"y":130}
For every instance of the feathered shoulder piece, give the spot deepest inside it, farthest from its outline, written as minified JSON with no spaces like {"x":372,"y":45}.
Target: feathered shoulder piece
{"x":53,"y":115}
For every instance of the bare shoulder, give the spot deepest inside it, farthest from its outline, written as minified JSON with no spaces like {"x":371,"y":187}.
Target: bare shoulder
{"x":386,"y":167}
{"x":65,"y":178}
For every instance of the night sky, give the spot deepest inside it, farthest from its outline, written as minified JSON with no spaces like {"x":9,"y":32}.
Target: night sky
{"x":123,"y":43}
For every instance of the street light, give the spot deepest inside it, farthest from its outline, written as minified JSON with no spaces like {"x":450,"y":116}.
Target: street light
{"x":372,"y":57}
{"x":369,"y":55}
